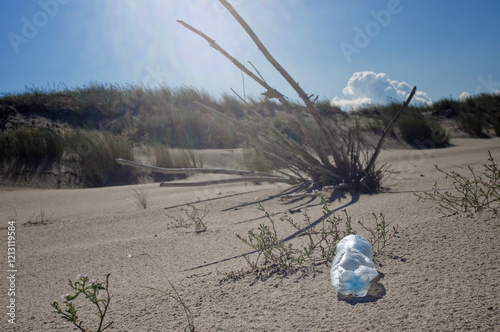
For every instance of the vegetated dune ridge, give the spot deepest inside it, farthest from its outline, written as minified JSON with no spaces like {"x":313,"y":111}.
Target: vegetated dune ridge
{"x":439,"y":273}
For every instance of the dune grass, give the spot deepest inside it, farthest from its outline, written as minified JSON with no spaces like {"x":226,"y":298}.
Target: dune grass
{"x":104,"y":121}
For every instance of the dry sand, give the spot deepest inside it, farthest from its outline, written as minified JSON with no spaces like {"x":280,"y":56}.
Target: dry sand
{"x":441,"y":273}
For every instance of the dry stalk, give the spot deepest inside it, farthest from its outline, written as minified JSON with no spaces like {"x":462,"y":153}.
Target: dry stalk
{"x":347,"y":169}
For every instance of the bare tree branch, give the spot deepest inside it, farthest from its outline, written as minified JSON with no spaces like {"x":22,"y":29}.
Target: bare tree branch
{"x":374,"y":157}
{"x":309,"y":104}
{"x":271,"y":92}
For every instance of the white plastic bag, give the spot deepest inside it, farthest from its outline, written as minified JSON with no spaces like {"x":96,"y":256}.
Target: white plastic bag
{"x":353,"y":268}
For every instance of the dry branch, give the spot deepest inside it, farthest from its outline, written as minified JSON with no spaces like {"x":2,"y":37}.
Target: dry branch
{"x":374,"y":157}
{"x":346,"y":167}
{"x":195,"y":170}
{"x":313,"y":194}
{"x":273,"y":93}
{"x":309,"y":104}
{"x":225,"y":181}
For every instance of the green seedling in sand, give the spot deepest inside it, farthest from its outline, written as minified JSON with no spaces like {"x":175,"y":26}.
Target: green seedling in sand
{"x":380,"y":234}
{"x":90,"y":289}
{"x":469,"y":194}
{"x":323,"y":238}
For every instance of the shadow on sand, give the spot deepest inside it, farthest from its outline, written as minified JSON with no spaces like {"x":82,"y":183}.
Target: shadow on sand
{"x":375,"y":293}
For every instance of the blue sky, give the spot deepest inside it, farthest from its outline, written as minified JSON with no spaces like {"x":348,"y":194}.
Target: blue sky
{"x":351,"y":52}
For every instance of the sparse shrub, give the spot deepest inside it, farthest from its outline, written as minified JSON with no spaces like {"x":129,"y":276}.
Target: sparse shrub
{"x":380,"y":234}
{"x":90,"y":289}
{"x":479,"y":190}
{"x":195,"y":215}
{"x":323,"y":238}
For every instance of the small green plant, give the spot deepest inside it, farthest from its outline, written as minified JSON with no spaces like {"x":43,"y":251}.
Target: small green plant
{"x":323,"y":238}
{"x":381,"y":233}
{"x":90,"y":289}
{"x":141,"y":198}
{"x":271,"y":246}
{"x":479,"y":190}
{"x":174,"y":294}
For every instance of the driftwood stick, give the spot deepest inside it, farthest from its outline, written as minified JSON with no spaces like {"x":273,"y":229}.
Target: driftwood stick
{"x":242,"y":99}
{"x":194,"y":170}
{"x":225,"y":181}
{"x":337,"y":156}
{"x":313,"y":194}
{"x":271,"y":92}
{"x":374,"y":157}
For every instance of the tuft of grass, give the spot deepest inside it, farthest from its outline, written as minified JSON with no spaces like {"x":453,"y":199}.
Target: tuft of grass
{"x":141,"y":198}
{"x":163,"y":156}
{"x":28,"y":150}
{"x":481,"y":189}
{"x":96,"y":154}
{"x":471,"y":123}
{"x":414,"y":127}
{"x":420,"y":132}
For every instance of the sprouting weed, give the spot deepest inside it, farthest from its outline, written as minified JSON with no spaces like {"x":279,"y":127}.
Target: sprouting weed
{"x":90,"y":289}
{"x":470,"y":193}
{"x":322,"y":238}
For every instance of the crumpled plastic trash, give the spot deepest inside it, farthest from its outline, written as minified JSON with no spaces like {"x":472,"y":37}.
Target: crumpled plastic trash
{"x":353,"y":268}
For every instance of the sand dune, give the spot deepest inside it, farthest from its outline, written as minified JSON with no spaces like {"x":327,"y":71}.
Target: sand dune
{"x":441,"y":273}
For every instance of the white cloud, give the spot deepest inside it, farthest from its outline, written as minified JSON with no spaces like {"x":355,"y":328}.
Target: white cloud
{"x":368,"y":88}
{"x":497,"y":92}
{"x":464,"y":96}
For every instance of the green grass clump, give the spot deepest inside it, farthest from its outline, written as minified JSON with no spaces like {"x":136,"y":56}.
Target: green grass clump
{"x":421,"y":132}
{"x":481,"y":189}
{"x":476,"y":115}
{"x":414,"y":127}
{"x":471,"y":123}
{"x":96,"y":154}
{"x":28,"y":150}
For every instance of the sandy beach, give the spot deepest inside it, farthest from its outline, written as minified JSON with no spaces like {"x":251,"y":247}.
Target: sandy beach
{"x":440,"y":273}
